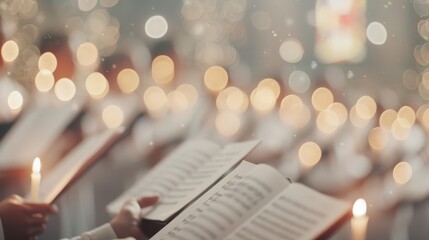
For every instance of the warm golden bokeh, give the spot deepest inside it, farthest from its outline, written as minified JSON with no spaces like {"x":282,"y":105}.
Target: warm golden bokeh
{"x":113,"y":116}
{"x":271,"y":84}
{"x":263,"y":99}
{"x":162,"y":69}
{"x":44,"y":80}
{"x":215,"y":78}
{"x":47,"y":61}
{"x":87,"y":54}
{"x":227,"y":123}
{"x":294,"y":112}
{"x":322,"y":98}
{"x":366,"y":107}
{"x":328,"y":121}
{"x":233,"y":99}
{"x":309,"y":154}
{"x":155,"y":100}
{"x":407,"y":114}
{"x":387,"y":118}
{"x":65,"y":89}
{"x":402,"y":173}
{"x":96,"y":85}
{"x":378,"y":138}
{"x":9,"y":51}
{"x":128,"y":80}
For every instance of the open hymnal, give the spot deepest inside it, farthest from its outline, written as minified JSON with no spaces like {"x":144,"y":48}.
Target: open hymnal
{"x":184,"y":175}
{"x":75,"y":163}
{"x":256,"y":202}
{"x":34,"y":133}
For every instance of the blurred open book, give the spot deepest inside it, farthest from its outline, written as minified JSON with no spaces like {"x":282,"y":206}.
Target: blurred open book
{"x":76,"y":163}
{"x":35,"y":132}
{"x":184,"y":175}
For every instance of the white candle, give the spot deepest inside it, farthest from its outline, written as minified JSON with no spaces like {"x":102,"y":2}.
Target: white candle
{"x":35,"y":180}
{"x":359,"y":221}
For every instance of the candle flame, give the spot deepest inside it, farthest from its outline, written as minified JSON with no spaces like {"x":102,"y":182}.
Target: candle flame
{"x":36,"y":165}
{"x":359,"y":208}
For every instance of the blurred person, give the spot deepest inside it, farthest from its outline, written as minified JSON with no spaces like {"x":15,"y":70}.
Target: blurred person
{"x":24,"y":220}
{"x":21,"y":219}
{"x":128,"y":103}
{"x":57,"y":44}
{"x":7,"y":86}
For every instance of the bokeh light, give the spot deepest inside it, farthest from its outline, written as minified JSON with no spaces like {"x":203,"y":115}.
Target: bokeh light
{"x":387,"y":118}
{"x":156,"y":101}
{"x":378,"y":138}
{"x":263,"y":99}
{"x":97,"y":85}
{"x":47,"y":61}
{"x":113,"y":116}
{"x":44,"y":80}
{"x":86,"y":5}
{"x":376,"y":33}
{"x":291,"y":51}
{"x":309,"y":154}
{"x":402,"y":173}
{"x":162,"y":69}
{"x":322,"y":98}
{"x":15,"y":100}
{"x":227,"y":123}
{"x":156,"y":27}
{"x":327,"y":121}
{"x":216,"y":78}
{"x":407,"y":116}
{"x":128,"y":80}
{"x":65,"y":89}
{"x":232,"y":99}
{"x":299,"y":81}
{"x":366,"y":107}
{"x":294,"y":112}
{"x":9,"y":51}
{"x":87,"y":54}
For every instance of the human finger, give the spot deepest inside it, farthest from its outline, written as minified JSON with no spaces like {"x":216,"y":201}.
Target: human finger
{"x":37,"y":219}
{"x":147,"y":201}
{"x":32,"y":231}
{"x":41,"y":208}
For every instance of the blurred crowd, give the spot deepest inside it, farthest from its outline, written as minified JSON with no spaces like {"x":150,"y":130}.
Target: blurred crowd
{"x":61,"y":84}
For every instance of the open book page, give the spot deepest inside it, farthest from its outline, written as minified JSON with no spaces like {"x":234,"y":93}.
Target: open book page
{"x":190,"y":174}
{"x":169,"y":172}
{"x":33,"y":133}
{"x":75,"y":162}
{"x":297,"y":213}
{"x":227,"y":204}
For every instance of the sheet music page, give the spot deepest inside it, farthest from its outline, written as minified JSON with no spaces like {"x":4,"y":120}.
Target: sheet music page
{"x":297,"y":213}
{"x":230,"y":202}
{"x":54,"y":182}
{"x":169,"y":172}
{"x":34,"y":132}
{"x":182,"y":182}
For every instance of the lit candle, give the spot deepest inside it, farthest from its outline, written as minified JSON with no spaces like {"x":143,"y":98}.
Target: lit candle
{"x":35,"y":180}
{"x":360,"y":220}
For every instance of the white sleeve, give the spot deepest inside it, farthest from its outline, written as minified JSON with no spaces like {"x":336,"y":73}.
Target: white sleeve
{"x":1,"y":230}
{"x":103,"y":232}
